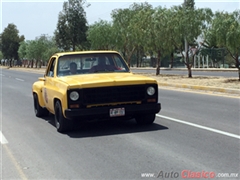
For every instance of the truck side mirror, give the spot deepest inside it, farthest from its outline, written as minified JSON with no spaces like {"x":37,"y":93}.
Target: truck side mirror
{"x":41,"y":79}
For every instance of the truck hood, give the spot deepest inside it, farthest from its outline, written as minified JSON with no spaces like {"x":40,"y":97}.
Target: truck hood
{"x":105,"y":79}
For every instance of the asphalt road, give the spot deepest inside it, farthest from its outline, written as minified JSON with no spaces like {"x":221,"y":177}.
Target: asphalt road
{"x":217,"y":73}
{"x":193,"y":133}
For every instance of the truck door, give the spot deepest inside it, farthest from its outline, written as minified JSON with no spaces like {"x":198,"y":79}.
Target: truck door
{"x":48,"y":88}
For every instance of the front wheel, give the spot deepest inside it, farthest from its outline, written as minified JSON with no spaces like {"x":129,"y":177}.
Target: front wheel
{"x":62,"y":124}
{"x":145,"y":119}
{"x":39,"y":111}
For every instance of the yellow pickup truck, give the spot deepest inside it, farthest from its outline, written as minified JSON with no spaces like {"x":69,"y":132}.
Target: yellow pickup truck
{"x":93,"y":85}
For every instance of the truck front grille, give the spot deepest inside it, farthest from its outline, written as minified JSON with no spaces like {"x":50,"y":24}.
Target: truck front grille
{"x":113,"y":94}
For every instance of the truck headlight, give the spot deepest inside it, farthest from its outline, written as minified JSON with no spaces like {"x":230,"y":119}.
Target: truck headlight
{"x":74,"y":95}
{"x":150,"y":91}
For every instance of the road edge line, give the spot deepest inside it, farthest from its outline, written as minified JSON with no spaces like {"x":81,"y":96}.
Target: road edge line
{"x":200,"y":126}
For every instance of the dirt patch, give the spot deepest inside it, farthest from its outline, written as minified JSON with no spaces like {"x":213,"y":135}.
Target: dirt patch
{"x":220,"y":82}
{"x":231,"y":81}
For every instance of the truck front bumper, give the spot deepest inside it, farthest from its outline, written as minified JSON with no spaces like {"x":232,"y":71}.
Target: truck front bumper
{"x":104,"y":112}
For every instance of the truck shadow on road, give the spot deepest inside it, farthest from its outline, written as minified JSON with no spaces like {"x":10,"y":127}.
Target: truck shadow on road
{"x":107,"y":128}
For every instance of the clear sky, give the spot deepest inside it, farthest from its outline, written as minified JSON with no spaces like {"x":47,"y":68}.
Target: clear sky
{"x":36,"y":17}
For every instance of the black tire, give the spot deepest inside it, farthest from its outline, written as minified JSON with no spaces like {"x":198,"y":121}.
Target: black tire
{"x":145,"y":119}
{"x":62,"y":124}
{"x":39,"y":111}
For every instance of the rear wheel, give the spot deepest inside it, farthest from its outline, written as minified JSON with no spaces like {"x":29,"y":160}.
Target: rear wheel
{"x":39,"y":111}
{"x":62,"y":124}
{"x":145,"y":119}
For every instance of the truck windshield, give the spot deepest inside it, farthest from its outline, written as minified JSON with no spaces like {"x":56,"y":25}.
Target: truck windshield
{"x":91,"y":63}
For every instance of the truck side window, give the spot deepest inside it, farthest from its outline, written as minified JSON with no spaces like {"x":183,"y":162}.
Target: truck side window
{"x":50,"y":72}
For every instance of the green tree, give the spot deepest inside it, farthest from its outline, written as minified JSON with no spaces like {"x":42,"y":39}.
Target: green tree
{"x":123,"y":26}
{"x":36,"y":49}
{"x":225,"y":33}
{"x":139,"y":27}
{"x":49,"y":52}
{"x":188,"y":26}
{"x":123,"y":34}
{"x":22,"y":50}
{"x":51,"y":49}
{"x":100,"y":35}
{"x":126,"y":27}
{"x":188,"y":7}
{"x":72,"y":26}
{"x":189,"y":4}
{"x":156,"y":41}
{"x":0,"y":41}
{"x":39,"y":50}
{"x":1,"y":55}
{"x":215,"y":54}
{"x":10,"y":42}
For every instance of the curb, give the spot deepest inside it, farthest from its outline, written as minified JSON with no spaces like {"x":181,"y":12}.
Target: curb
{"x":185,"y":86}
{"x":30,"y":70}
{"x":185,"y":69}
{"x":205,"y":88}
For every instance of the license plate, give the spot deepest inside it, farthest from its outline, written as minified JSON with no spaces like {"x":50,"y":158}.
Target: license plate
{"x":117,"y":112}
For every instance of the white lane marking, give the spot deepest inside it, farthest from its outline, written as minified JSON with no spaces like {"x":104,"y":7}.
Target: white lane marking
{"x":208,"y":92}
{"x":19,"y":79}
{"x":199,"y":126}
{"x":16,"y":163}
{"x":3,"y":140}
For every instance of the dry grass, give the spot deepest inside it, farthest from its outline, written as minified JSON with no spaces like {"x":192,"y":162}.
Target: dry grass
{"x":220,"y":82}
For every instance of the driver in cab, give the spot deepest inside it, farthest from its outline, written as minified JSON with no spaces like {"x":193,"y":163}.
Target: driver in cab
{"x":102,"y":66}
{"x":73,"y":68}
